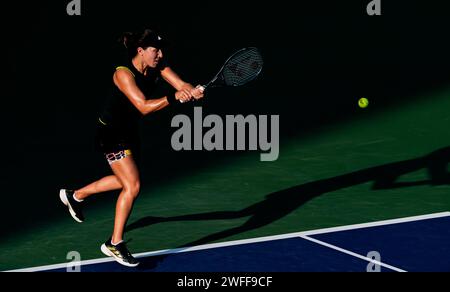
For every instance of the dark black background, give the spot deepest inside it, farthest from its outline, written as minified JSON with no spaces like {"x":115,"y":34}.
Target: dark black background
{"x":320,"y":58}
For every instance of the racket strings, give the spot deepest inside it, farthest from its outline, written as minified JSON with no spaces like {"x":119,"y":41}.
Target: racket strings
{"x":243,"y":67}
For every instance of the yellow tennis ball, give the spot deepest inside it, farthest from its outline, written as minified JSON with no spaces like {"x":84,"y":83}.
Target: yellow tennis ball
{"x":363,"y":102}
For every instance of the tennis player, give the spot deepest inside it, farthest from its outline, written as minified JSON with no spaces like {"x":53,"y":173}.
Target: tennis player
{"x":117,"y":131}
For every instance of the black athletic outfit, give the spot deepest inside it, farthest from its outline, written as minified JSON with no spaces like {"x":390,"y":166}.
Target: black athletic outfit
{"x":119,"y":122}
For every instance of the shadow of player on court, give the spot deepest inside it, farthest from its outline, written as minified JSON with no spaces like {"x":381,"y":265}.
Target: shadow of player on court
{"x":281,"y":203}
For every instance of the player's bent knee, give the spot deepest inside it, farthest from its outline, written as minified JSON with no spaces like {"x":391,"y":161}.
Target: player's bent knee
{"x":136,"y":189}
{"x":133,"y":188}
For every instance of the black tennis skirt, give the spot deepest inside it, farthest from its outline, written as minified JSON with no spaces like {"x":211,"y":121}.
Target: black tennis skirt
{"x":111,"y":139}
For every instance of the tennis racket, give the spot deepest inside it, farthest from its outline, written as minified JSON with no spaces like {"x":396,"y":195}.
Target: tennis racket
{"x":240,"y":68}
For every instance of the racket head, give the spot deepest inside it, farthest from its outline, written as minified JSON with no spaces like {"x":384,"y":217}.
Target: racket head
{"x":240,"y":68}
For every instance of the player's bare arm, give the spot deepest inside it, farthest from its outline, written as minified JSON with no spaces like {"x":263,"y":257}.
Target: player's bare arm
{"x":124,"y":80}
{"x":176,"y":82}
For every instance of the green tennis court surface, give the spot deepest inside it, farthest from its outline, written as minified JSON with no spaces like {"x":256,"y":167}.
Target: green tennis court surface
{"x":378,"y":167}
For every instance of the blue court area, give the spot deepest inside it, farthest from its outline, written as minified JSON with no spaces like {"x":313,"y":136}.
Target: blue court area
{"x":413,"y":245}
{"x":419,"y":246}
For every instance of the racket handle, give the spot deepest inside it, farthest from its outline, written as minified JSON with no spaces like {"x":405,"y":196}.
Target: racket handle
{"x":202,"y":89}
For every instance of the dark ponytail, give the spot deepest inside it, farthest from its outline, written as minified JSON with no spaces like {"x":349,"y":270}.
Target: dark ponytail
{"x":128,"y":40}
{"x":147,"y":38}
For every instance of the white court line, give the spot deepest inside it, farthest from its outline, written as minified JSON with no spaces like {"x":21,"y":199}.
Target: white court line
{"x":247,"y":241}
{"x":377,"y":223}
{"x":352,"y":253}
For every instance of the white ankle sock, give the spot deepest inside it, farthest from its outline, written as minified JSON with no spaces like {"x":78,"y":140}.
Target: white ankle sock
{"x":116,"y":244}
{"x":75,"y":198}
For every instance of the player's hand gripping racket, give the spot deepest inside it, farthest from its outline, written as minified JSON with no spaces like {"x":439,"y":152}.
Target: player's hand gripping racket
{"x":241,"y":68}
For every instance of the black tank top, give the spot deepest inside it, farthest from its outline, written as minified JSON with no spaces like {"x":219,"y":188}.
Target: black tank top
{"x":118,"y":111}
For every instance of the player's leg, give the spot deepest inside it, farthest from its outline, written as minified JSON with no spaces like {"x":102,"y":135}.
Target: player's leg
{"x":108,"y":183}
{"x":73,"y":199}
{"x":127,"y":173}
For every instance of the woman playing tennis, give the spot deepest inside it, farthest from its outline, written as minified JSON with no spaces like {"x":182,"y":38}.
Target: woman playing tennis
{"x":117,"y":132}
